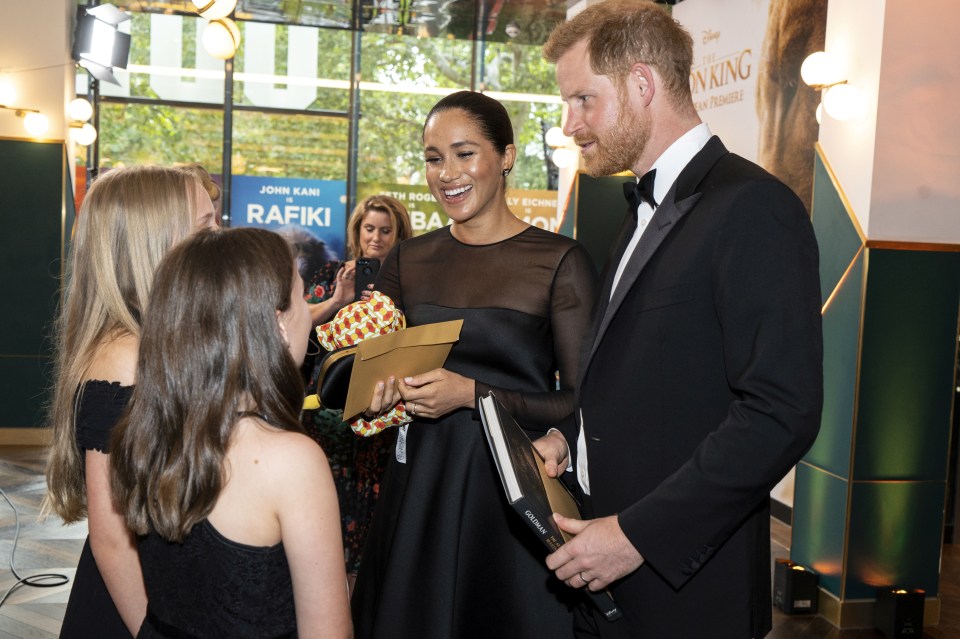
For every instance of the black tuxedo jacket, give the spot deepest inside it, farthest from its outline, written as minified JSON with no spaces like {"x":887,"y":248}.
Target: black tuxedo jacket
{"x":700,"y":387}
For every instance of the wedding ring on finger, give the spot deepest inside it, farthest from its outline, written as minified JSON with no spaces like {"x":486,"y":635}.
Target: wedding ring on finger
{"x":583,"y":579}
{"x":413,"y":408}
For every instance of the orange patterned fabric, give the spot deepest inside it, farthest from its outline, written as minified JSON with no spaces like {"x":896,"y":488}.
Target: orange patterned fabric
{"x":354,"y":323}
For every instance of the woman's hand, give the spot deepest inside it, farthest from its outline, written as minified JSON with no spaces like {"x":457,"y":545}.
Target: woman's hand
{"x":343,"y":293}
{"x":436,"y":393}
{"x":385,"y":396}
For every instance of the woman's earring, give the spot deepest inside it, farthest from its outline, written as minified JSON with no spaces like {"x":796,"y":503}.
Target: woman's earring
{"x":506,"y":172}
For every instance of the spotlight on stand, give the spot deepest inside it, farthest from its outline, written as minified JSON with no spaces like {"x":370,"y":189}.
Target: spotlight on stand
{"x":898,"y":613}
{"x":794,"y":588}
{"x":98,"y":45}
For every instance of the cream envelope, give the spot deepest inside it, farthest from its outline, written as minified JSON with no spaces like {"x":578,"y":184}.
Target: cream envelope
{"x":411,"y":351}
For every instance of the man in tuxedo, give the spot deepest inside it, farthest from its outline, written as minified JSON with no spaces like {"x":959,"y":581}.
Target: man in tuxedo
{"x":701,"y":381}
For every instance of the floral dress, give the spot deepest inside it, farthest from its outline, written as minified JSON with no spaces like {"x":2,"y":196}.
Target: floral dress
{"x":357,"y":463}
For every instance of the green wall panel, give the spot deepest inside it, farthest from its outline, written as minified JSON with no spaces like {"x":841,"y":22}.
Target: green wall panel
{"x":819,"y":524}
{"x":24,"y":383}
{"x":32,"y":187}
{"x":895,"y":535}
{"x":841,"y":336}
{"x":909,"y":342}
{"x":836,"y":234}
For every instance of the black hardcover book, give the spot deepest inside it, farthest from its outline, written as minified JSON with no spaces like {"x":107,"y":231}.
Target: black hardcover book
{"x":532,"y":493}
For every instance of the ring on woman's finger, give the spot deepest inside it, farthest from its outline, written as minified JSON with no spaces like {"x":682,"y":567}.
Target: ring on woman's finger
{"x":583,"y":579}
{"x":413,"y":408}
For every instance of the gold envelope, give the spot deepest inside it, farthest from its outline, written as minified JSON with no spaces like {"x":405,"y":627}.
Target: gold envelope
{"x":411,"y":351}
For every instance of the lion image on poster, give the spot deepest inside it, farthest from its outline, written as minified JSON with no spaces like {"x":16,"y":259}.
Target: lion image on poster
{"x":786,"y":107}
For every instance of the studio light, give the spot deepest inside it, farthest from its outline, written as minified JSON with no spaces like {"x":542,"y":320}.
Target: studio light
{"x":98,"y":45}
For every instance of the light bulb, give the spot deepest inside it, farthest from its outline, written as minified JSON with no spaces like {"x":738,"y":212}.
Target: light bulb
{"x":80,"y":110}
{"x":819,"y":114}
{"x":221,"y":38}
{"x":84,"y":135}
{"x":844,"y":102}
{"x":555,"y":137}
{"x":36,"y":124}
{"x":820,"y":68}
{"x":7,"y":93}
{"x":215,"y":9}
{"x":564,"y":157}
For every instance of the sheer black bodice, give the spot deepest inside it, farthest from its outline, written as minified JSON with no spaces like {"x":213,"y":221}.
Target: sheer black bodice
{"x":530,"y":298}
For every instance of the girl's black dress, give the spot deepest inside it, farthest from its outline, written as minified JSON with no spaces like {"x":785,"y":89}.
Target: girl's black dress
{"x":90,"y":609}
{"x":447,"y":557}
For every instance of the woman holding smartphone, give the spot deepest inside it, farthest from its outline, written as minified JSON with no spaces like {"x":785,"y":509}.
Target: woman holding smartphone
{"x":376,"y":225}
{"x":447,"y":556}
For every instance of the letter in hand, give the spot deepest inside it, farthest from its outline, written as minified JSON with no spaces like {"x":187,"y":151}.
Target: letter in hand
{"x":599,"y":553}
{"x":555,"y":452}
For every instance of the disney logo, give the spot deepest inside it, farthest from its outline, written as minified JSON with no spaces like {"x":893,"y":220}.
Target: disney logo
{"x":709,"y":35}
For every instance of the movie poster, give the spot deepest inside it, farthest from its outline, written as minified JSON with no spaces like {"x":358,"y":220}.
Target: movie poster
{"x":535,"y":207}
{"x":746,"y":81}
{"x":727,"y":46}
{"x":311,"y":213}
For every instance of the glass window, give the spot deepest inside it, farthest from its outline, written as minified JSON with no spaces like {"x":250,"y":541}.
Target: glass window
{"x":292,"y":67}
{"x":291,"y":146}
{"x":160,"y":134}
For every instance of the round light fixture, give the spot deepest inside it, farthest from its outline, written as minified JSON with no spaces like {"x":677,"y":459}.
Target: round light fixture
{"x":221,"y":38}
{"x":84,"y":135}
{"x":555,"y":137}
{"x":80,"y":110}
{"x":844,"y":102}
{"x":36,"y":124}
{"x":215,"y":9}
{"x":820,"y":69}
{"x":564,"y":157}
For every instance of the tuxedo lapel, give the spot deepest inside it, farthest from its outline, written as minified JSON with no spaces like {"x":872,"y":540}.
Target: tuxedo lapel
{"x":680,"y":199}
{"x":623,"y":238}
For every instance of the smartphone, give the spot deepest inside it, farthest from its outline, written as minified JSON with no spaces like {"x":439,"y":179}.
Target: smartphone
{"x":365,"y":275}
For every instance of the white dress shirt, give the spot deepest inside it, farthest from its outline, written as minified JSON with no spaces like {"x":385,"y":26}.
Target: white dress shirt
{"x":668,"y":166}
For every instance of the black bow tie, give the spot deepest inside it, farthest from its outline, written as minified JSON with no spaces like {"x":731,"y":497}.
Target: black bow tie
{"x":641,"y":191}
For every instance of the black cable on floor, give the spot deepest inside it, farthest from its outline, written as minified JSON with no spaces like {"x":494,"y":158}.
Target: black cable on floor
{"x":37,"y":581}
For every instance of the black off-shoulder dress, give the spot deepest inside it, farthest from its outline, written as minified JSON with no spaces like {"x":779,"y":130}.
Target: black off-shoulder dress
{"x":90,"y":610}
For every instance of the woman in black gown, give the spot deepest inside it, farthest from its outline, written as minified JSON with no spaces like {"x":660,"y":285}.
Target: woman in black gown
{"x":129,"y":220}
{"x":446,"y":556}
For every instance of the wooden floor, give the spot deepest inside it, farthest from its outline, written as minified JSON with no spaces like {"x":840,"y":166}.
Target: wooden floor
{"x":49,"y":547}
